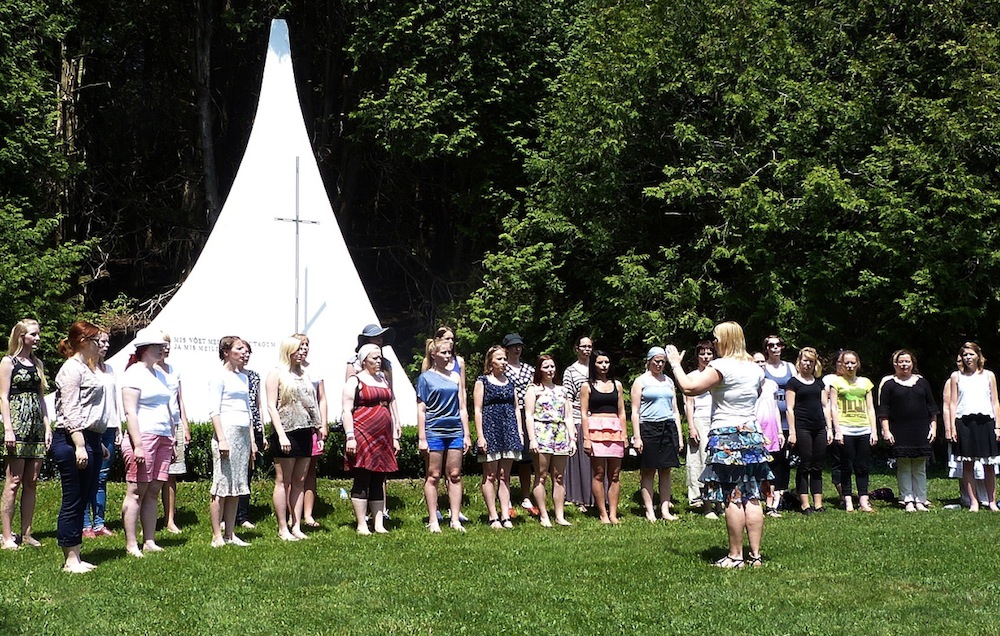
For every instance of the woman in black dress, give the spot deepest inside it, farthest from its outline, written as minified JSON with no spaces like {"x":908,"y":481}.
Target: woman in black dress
{"x":908,"y":414}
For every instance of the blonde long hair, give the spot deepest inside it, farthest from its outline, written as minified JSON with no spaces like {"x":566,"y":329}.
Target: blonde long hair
{"x":287,"y":379}
{"x":15,"y":346}
{"x":730,"y":342}
{"x":433,"y":346}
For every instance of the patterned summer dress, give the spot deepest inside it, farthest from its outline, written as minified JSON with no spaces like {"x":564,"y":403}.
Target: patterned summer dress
{"x":26,"y":412}
{"x":373,"y":430}
{"x":551,"y":430}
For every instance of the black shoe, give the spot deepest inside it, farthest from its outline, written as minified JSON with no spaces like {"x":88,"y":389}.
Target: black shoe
{"x":821,"y":509}
{"x":807,"y":511}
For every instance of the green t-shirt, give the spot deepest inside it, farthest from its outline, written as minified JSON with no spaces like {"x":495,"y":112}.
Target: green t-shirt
{"x":852,"y":403}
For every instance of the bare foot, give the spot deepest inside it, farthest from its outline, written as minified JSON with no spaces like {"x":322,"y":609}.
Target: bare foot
{"x":79,"y":567}
{"x":434,"y":528}
{"x":218,"y":542}
{"x":298,"y":534}
{"x":238,"y":542}
{"x":287,"y":536}
{"x":364,"y":531}
{"x":249,"y":525}
{"x":605,"y":520}
{"x":135,"y":551}
{"x":173,"y":529}
{"x":457,"y":525}
{"x":563,"y":522}
{"x":667,"y":516}
{"x":615,"y":521}
{"x":381,"y":529}
{"x":30,"y":540}
{"x":150,"y":546}
{"x":545,"y":523}
{"x":650,"y":517}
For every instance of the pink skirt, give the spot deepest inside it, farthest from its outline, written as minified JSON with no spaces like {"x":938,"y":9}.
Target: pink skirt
{"x":607,"y":435}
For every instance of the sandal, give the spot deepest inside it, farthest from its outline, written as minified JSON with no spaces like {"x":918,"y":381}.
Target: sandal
{"x":506,"y":523}
{"x":495,"y":524}
{"x":729,"y":563}
{"x":755,"y":561}
{"x":771,"y":511}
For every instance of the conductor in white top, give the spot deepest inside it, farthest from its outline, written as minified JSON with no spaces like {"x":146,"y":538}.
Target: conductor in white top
{"x":736,"y":471}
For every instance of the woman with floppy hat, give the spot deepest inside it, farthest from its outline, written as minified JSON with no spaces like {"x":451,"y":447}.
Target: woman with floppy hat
{"x":376,"y":335}
{"x":149,"y":444}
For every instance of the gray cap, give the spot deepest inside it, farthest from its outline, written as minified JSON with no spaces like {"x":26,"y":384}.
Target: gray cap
{"x":653,"y":352}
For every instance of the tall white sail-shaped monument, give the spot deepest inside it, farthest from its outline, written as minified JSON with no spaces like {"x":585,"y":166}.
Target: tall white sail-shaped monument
{"x":275,"y":263}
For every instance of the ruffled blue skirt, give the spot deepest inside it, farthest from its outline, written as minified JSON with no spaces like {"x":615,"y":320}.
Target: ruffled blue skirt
{"x":736,"y":466}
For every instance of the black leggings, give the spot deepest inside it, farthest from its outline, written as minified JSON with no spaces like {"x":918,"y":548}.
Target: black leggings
{"x":368,"y":485}
{"x":855,"y":459}
{"x":811,"y":448}
{"x":779,"y":466}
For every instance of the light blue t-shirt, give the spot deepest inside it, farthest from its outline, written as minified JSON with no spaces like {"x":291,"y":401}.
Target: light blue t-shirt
{"x":657,"y":403}
{"x":440,"y":397}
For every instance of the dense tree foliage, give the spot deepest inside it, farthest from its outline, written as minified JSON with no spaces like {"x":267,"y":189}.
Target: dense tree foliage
{"x":826,"y":170}
{"x":38,"y":272}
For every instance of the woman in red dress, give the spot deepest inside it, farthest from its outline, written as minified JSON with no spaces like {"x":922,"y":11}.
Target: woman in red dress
{"x":371,"y":424}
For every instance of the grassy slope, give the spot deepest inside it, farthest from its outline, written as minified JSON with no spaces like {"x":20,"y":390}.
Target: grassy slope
{"x":889,"y":573}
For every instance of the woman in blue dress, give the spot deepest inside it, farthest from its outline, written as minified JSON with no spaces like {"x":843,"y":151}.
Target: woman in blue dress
{"x":498,"y":433}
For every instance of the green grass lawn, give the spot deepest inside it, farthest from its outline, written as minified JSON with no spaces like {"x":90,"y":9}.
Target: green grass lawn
{"x":888,"y":573}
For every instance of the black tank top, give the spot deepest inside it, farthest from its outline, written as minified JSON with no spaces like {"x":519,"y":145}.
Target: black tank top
{"x":603,"y":402}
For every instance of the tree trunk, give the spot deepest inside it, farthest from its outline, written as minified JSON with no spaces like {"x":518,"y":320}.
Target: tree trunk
{"x":203,"y":59}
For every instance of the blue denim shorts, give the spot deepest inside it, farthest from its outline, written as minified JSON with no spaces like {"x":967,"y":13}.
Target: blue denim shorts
{"x":445,"y":442}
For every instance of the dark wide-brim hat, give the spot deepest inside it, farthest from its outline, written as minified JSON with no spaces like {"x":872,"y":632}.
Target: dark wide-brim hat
{"x":512,"y":339}
{"x":373,"y":331}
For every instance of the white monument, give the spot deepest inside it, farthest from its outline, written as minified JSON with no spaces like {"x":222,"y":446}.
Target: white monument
{"x":275,"y":263}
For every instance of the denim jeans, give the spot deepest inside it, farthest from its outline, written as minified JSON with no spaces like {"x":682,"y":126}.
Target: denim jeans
{"x":78,"y":485}
{"x":98,"y":502}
